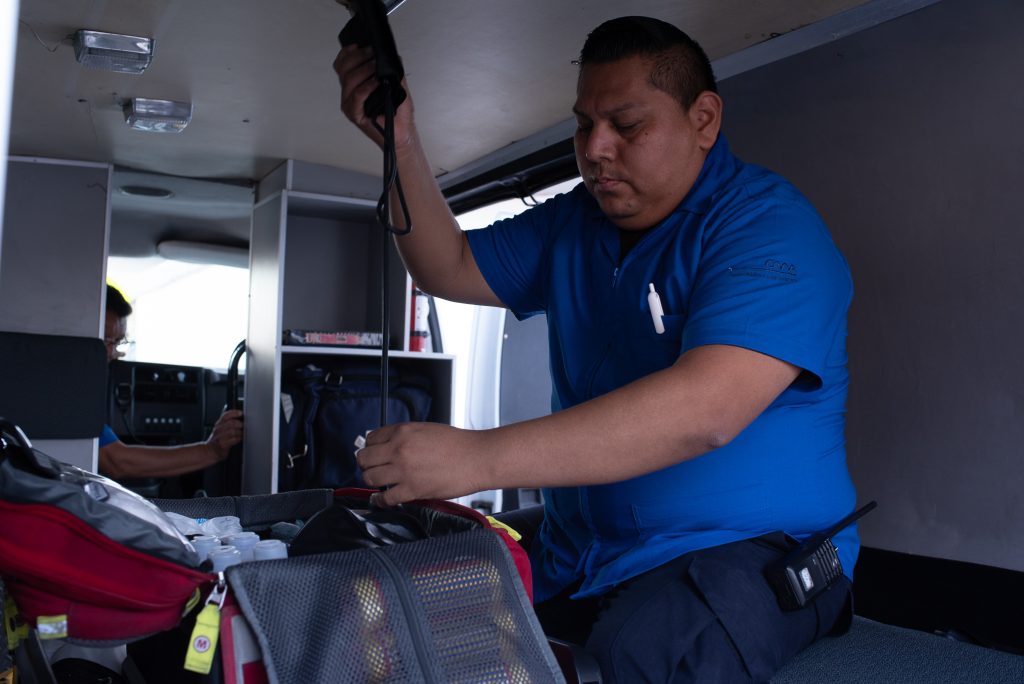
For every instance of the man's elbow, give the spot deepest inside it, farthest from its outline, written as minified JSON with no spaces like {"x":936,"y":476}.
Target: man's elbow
{"x":110,"y":468}
{"x":717,"y":428}
{"x":717,"y":436}
{"x":111,"y":465}
{"x":431,"y":287}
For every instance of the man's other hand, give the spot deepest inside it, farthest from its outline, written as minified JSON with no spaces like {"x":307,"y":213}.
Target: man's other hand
{"x":227,"y":432}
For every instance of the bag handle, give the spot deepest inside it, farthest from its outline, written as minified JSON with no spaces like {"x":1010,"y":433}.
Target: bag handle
{"x":16,"y":446}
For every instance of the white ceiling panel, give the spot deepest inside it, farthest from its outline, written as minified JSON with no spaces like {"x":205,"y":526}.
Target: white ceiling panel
{"x":483,"y":74}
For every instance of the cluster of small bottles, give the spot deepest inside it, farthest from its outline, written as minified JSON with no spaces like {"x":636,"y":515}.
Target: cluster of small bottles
{"x":236,"y":546}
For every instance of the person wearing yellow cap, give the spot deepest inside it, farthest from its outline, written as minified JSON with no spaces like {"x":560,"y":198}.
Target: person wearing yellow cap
{"x":124,"y":461}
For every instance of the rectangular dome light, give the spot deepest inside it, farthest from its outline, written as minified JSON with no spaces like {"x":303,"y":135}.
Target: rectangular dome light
{"x":113,"y":51}
{"x":157,"y":116}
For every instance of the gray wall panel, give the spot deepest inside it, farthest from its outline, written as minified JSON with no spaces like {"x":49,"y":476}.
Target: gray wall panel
{"x":55,"y":237}
{"x":53,"y":263}
{"x":525,"y":390}
{"x":907,"y":137}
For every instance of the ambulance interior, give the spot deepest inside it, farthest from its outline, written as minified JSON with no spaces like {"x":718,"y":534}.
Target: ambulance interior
{"x":899,"y":119}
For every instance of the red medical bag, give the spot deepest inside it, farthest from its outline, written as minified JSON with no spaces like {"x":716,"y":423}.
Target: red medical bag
{"x":91,"y":562}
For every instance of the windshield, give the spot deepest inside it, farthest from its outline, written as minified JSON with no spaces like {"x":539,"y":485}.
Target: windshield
{"x":183,"y":313}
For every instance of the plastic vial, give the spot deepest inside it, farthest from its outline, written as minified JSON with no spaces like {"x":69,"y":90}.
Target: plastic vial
{"x":224,"y":557}
{"x":244,"y":541}
{"x":204,"y":544}
{"x":268,"y":549}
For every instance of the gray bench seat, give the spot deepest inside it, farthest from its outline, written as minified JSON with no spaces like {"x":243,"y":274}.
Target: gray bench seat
{"x":874,"y":652}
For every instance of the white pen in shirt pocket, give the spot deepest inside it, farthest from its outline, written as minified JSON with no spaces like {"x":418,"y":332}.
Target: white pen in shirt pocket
{"x":654,"y":302}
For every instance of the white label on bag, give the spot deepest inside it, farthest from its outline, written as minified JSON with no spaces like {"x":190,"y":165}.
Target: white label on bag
{"x":288,"y":406}
{"x":52,"y":626}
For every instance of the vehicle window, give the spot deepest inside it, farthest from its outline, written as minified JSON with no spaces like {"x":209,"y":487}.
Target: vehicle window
{"x":467,"y":331}
{"x":183,"y":313}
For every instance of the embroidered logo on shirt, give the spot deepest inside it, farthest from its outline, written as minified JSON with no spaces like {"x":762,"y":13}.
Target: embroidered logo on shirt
{"x":773,"y":269}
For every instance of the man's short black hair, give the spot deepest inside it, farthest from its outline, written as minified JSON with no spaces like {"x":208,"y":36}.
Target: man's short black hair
{"x":116,"y":302}
{"x":680,"y":67}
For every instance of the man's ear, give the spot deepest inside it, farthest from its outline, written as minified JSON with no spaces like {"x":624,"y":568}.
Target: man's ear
{"x":706,"y":116}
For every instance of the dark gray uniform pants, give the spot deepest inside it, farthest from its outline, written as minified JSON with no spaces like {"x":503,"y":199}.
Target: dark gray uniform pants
{"x":707,"y":616}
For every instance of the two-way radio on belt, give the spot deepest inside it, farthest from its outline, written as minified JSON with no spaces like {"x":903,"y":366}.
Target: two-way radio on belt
{"x":811,"y":567}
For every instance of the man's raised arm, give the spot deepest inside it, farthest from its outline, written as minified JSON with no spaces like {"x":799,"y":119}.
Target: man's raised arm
{"x":435,"y":252}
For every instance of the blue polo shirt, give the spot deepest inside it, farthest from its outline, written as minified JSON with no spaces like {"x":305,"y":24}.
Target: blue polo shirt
{"x":745,"y":261}
{"x":107,"y":436}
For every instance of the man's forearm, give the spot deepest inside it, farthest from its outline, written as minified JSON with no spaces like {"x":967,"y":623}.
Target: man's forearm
{"x":431,"y":250}
{"x":614,"y":437}
{"x":121,"y":460}
{"x":691,"y":408}
{"x":435,"y":251}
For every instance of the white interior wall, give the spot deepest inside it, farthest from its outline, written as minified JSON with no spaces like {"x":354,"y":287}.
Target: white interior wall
{"x":8,"y":41}
{"x":907,"y":137}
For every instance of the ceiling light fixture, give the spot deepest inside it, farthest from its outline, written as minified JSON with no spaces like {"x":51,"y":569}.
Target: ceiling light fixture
{"x":113,"y":51}
{"x":203,"y":253}
{"x":157,"y":116}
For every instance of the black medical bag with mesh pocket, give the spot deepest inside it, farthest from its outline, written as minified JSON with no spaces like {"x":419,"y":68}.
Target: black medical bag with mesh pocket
{"x":422,"y":594}
{"x":438,"y":610}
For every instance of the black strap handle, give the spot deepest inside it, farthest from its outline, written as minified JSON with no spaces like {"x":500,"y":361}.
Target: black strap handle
{"x":236,"y":357}
{"x":232,"y":468}
{"x":17,"y":447}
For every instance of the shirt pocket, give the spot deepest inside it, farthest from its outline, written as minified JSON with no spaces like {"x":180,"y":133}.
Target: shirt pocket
{"x":652,"y":350}
{"x":673,"y":327}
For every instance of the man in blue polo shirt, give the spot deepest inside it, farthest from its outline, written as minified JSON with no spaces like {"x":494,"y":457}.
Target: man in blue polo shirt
{"x":696,"y":309}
